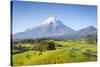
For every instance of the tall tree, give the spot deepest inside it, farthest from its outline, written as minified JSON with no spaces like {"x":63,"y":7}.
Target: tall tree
{"x":89,"y":39}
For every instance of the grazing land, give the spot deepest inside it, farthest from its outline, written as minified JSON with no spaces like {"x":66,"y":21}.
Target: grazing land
{"x":65,"y":51}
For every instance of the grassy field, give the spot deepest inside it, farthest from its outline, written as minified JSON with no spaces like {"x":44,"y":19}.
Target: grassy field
{"x":67,"y":52}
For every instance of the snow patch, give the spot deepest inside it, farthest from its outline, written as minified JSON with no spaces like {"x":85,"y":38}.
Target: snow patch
{"x":50,"y":20}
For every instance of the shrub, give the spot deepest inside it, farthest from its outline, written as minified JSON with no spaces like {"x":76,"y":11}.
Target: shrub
{"x":59,"y":45}
{"x":51,"y":46}
{"x":87,"y":50}
{"x":28,"y":56}
{"x":72,"y":53}
{"x":88,"y":53}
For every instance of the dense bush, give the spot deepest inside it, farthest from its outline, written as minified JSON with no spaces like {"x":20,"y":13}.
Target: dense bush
{"x":51,"y":46}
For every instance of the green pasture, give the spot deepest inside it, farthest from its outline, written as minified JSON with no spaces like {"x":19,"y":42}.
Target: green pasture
{"x":68,"y":52}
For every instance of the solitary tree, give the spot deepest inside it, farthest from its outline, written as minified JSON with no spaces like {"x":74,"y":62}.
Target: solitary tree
{"x":51,"y":46}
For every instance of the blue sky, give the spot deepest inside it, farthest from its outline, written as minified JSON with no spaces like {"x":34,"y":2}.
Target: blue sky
{"x":30,"y":14}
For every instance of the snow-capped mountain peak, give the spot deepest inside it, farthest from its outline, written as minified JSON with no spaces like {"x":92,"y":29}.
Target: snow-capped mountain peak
{"x":50,"y":20}
{"x":50,"y":28}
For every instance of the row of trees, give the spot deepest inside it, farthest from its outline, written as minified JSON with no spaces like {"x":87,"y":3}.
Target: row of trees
{"x":42,"y":44}
{"x":37,"y":45}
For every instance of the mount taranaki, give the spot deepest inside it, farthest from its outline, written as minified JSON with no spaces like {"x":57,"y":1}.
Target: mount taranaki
{"x":54,"y":28}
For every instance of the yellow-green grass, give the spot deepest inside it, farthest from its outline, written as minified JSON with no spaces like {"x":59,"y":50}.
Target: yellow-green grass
{"x":25,"y":45}
{"x":72,"y":53}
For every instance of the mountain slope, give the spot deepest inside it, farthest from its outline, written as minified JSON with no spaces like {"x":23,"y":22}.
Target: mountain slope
{"x":86,"y":31}
{"x":49,"y":28}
